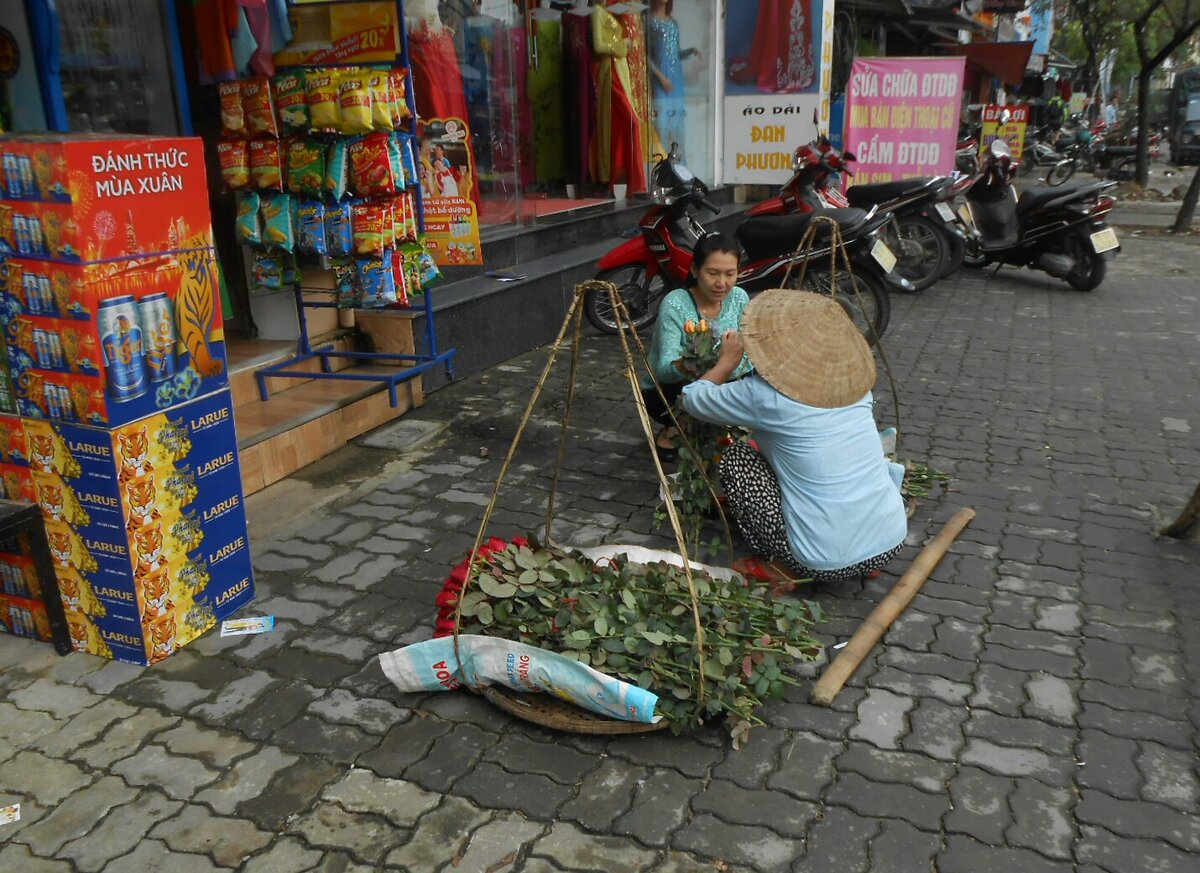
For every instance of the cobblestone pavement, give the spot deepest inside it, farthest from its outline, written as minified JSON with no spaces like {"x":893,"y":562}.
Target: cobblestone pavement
{"x":1035,"y":710}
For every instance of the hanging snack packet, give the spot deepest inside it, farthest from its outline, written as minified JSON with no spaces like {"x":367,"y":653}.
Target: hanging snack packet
{"x":370,"y":167}
{"x":259,"y":107}
{"x":291,"y":100}
{"x":278,"y":232}
{"x":289,"y":269}
{"x":368,"y":229}
{"x":339,"y":236}
{"x":306,"y":167}
{"x":376,"y":286}
{"x":409,"y":205}
{"x":266,"y":166}
{"x":233,"y":117}
{"x":400,"y":111}
{"x":408,"y":152}
{"x":234,"y":158}
{"x":396,"y":161}
{"x":337,"y":169}
{"x":400,"y":277}
{"x":268,"y":271}
{"x":310,"y":227}
{"x":247,"y":227}
{"x":429,"y":272}
{"x":354,"y":97}
{"x":322,"y":90}
{"x":345,"y":283}
{"x":381,"y":100}
{"x":412,"y":270}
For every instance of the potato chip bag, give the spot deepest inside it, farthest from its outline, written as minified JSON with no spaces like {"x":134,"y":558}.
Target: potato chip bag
{"x":291,"y":101}
{"x":354,"y":98}
{"x":376,"y":285}
{"x":305,"y":167}
{"x":368,"y":221}
{"x":370,"y":167}
{"x":322,"y":92}
{"x":259,"y":107}
{"x":310,"y":227}
{"x":337,"y":169}
{"x":380,"y":83}
{"x":345,"y":283}
{"x":399,"y":105}
{"x":400,"y":277}
{"x":234,"y":158}
{"x":278,"y":230}
{"x":233,"y":117}
{"x":266,"y":166}
{"x":267,"y":271}
{"x":246,"y":225}
{"x":339,"y":235}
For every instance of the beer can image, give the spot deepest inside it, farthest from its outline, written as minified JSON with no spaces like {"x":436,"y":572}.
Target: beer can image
{"x":65,"y":403}
{"x":157,"y":316}
{"x":121,"y":343}
{"x":41,"y":348}
{"x":48,"y":304}
{"x":56,"y":349}
{"x":50,"y":396}
{"x":27,"y":186}
{"x":12,"y":175}
{"x":33,"y":293}
{"x":21,"y":234}
{"x":37,"y":240}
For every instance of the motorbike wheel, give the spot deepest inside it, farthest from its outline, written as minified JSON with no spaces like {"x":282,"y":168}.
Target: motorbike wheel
{"x":1090,"y":267}
{"x":872,"y":317}
{"x":973,"y":257}
{"x":1060,"y":173}
{"x":923,"y":252}
{"x":641,"y":296}
{"x":1028,"y":162}
{"x":956,"y":253}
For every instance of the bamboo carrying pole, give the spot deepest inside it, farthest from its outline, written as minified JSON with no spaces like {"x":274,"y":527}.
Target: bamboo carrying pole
{"x":882,"y":616}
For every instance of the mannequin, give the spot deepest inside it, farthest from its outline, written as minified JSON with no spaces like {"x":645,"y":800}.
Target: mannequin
{"x":780,"y":60}
{"x":545,"y":88}
{"x":630,"y":15}
{"x":666,"y":75}
{"x":580,"y":88}
{"x":616,"y":147}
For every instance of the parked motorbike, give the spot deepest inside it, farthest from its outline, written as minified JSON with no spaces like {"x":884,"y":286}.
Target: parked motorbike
{"x":1112,"y":162}
{"x":659,"y":259}
{"x":1061,"y":231}
{"x":928,"y":238}
{"x":1042,"y":151}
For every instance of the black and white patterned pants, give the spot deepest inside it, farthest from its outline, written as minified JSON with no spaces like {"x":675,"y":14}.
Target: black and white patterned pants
{"x":757,"y":505}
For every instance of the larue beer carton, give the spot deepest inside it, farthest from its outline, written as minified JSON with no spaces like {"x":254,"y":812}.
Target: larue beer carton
{"x":105,"y":344}
{"x":146,"y":525}
{"x":85,"y":197}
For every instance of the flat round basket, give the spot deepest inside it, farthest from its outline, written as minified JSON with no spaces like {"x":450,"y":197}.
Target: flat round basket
{"x":548,"y":711}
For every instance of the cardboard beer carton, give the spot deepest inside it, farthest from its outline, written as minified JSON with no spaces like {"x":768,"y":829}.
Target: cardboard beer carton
{"x":146,"y":525}
{"x":24,"y":617}
{"x":105,"y":344}
{"x":81,"y":198}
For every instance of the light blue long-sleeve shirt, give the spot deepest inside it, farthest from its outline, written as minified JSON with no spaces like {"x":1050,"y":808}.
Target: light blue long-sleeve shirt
{"x":841,"y":500}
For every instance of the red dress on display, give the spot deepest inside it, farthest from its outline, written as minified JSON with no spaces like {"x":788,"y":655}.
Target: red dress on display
{"x":616,"y":149}
{"x":781,"y":60}
{"x":581,"y":94}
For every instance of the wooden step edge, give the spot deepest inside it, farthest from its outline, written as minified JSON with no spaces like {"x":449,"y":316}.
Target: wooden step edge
{"x":243,"y":380}
{"x":318,"y":410}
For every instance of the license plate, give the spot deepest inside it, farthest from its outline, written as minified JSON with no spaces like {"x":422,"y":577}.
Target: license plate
{"x":964,"y":212}
{"x":883,"y":255}
{"x":1104,"y":240}
{"x":945,"y":212}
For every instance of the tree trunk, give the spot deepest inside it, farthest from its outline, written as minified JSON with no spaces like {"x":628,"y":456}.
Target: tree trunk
{"x":1186,"y":519}
{"x":1143,"y":137}
{"x":1187,"y":212}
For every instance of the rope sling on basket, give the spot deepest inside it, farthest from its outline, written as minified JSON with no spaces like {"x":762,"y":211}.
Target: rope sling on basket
{"x":553,"y":713}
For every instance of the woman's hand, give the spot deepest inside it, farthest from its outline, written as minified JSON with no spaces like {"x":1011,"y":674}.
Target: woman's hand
{"x":732,"y":347}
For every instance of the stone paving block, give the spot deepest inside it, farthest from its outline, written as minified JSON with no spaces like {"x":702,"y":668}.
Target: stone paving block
{"x":119,"y":831}
{"x":1040,"y":640}
{"x":1133,"y":700}
{"x":742,"y":806}
{"x":290,"y":792}
{"x":936,"y":729}
{"x":439,"y":835}
{"x":18,"y":858}
{"x":356,"y":649}
{"x":47,"y":779}
{"x":368,"y":838}
{"x":83,"y":728}
{"x":839,"y":841}
{"x":1020,"y":732}
{"x":501,"y":842}
{"x":20,"y":727}
{"x":1006,"y":761}
{"x":156,"y":855}
{"x":1043,"y":819}
{"x":74,"y":816}
{"x":252,"y":649}
{"x":965,"y":855}
{"x":805,"y":767}
{"x":999,"y":689}
{"x":1170,"y":777}
{"x":396,"y":800}
{"x":123,"y":738}
{"x":271,"y":562}
{"x":570,"y":848}
{"x":490,"y":785}
{"x":235,"y":697}
{"x":958,"y":639}
{"x":404,"y":745}
{"x":1158,"y":671}
{"x":1050,"y":698}
{"x":980,"y":805}
{"x":901,"y":848}
{"x":369,"y":714}
{"x":679,"y":862}
{"x":1062,"y":618}
{"x":757,"y":759}
{"x":296,"y":611}
{"x":1108,"y":764}
{"x":920,"y":685}
{"x":905,"y":768}
{"x":1118,"y":854}
{"x":229,"y":841}
{"x":216,"y":748}
{"x":60,"y":701}
{"x":912,"y":630}
{"x":174,"y":695}
{"x":285,"y":854}
{"x":1140,"y":820}
{"x":454,"y":754}
{"x":753,"y":846}
{"x":272,"y":710}
{"x":308,"y":734}
{"x":245,"y":780}
{"x":1137,"y":725}
{"x":683,"y":753}
{"x":888,"y":800}
{"x":1031,"y":660}
{"x":604,"y":794}
{"x":1010,"y":610}
{"x":560,"y":763}
{"x":881,"y":718}
{"x":178,"y":776}
{"x":1106,"y":661}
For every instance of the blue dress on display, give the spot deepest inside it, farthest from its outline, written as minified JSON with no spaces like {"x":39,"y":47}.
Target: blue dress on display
{"x":666,"y":58}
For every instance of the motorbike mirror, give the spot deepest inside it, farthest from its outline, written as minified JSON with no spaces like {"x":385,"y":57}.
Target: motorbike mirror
{"x":1000,"y":149}
{"x":1005,"y":117}
{"x":848,"y":156}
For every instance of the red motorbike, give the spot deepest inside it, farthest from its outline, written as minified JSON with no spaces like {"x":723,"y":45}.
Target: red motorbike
{"x":659,"y":258}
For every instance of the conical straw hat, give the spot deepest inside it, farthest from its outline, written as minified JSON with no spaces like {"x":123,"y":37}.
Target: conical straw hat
{"x":807,"y":348}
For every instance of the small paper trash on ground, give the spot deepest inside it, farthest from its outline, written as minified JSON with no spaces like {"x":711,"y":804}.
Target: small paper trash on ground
{"x":259,"y":624}
{"x":10,"y":814}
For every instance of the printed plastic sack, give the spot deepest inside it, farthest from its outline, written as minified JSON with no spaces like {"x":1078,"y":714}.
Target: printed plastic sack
{"x":431,"y":666}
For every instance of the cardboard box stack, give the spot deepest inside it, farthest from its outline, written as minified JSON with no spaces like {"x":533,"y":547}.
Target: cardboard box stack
{"x":115,"y":413}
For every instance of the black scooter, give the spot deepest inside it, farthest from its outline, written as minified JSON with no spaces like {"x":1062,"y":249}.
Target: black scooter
{"x":1061,"y":231}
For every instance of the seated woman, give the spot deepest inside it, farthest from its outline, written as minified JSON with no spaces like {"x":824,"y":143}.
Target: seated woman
{"x":713,"y":296}
{"x":818,"y":499}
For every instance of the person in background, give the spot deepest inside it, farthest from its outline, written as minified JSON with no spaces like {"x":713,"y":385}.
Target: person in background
{"x":814,"y":497}
{"x":712,"y":296}
{"x":1111,"y":112}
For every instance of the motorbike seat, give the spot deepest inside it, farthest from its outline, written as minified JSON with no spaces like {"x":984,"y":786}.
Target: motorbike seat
{"x":864,"y":196}
{"x":1119,"y":151}
{"x":1035,"y":198}
{"x":769,"y":235}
